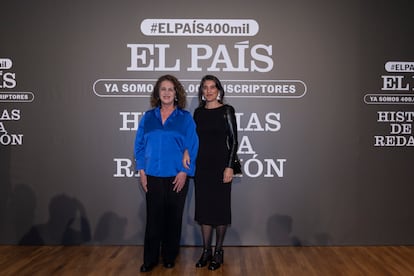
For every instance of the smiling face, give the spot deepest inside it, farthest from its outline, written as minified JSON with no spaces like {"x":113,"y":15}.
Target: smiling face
{"x":167,"y":93}
{"x":210,"y":91}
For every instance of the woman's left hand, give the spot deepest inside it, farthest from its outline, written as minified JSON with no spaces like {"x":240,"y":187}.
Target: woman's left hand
{"x":179,"y":181}
{"x":227,"y":175}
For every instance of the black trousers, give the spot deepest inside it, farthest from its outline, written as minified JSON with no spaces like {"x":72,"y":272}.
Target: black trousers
{"x":164,"y":219}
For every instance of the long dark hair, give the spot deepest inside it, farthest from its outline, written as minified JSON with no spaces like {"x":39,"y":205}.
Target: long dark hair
{"x":218,"y":85}
{"x":180,"y":94}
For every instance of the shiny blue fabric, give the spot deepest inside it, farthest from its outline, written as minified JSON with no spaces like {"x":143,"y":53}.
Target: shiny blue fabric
{"x":159,"y":148}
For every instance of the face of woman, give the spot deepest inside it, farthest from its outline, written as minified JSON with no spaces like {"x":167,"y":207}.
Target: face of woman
{"x":167,"y":93}
{"x":210,"y":91}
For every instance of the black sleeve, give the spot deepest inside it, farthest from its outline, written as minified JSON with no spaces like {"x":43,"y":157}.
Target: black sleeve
{"x":232,"y":142}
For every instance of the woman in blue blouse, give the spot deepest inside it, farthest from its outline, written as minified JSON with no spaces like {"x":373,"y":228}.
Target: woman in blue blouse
{"x":163,"y":134}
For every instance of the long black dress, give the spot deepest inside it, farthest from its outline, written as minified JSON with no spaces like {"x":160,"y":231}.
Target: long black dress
{"x":212,"y":196}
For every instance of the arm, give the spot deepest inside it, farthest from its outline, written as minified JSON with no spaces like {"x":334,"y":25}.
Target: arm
{"x":232,"y":143}
{"x":139,"y":154}
{"x":189,"y":155}
{"x":191,"y":144}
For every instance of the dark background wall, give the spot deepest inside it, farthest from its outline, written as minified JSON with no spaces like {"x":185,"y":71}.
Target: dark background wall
{"x":327,"y":162}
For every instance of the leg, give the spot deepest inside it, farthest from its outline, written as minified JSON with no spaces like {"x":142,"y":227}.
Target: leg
{"x":218,"y":252}
{"x":155,"y":218}
{"x":220,"y":233}
{"x":174,"y":216}
{"x":206,"y":232}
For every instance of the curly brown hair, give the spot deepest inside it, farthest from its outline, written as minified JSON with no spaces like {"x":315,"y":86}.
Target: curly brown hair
{"x":180,"y":94}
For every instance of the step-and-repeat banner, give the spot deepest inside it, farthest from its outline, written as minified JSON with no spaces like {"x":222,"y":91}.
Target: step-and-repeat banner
{"x":323,"y":91}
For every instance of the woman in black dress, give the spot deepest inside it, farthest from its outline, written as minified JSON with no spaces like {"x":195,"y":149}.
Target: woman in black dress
{"x":217,"y":132}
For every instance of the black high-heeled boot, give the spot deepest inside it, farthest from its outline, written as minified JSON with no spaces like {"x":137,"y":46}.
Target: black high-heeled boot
{"x":205,"y":258}
{"x":217,"y":260}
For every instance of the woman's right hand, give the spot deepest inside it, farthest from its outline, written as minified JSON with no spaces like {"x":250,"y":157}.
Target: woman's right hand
{"x":143,"y":178}
{"x":186,"y":160}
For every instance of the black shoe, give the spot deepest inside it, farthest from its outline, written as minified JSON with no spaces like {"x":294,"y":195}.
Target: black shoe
{"x":205,"y":258}
{"x":169,"y":264}
{"x":217,"y":260}
{"x":146,"y":268}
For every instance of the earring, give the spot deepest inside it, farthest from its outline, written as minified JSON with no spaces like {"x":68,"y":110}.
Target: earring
{"x":218,"y":97}
{"x":203,"y":98}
